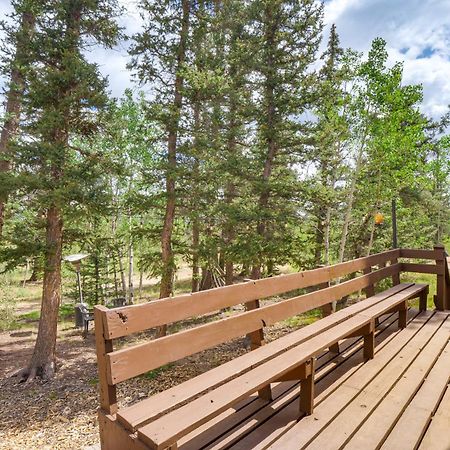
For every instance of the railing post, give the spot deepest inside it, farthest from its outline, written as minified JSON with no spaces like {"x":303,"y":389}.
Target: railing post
{"x":369,"y":290}
{"x":396,"y":276}
{"x":441,"y":294}
{"x":108,"y":396}
{"x":256,"y":339}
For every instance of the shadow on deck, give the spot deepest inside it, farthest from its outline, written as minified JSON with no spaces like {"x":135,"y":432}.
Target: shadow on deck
{"x":398,"y":400}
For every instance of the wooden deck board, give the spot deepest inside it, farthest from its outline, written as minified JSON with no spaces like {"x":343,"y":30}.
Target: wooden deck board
{"x":411,"y":426}
{"x":167,"y":430}
{"x":437,"y":436}
{"x":409,"y":340}
{"x":353,"y":415}
{"x":348,"y":362}
{"x":378,"y":425}
{"x":276,"y":417}
{"x":398,"y":400}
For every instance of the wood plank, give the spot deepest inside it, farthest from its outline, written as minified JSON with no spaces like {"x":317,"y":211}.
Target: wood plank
{"x":130,"y":362}
{"x":153,"y":407}
{"x":341,"y":394}
{"x":341,"y":429}
{"x":422,"y":268}
{"x":394,"y":301}
{"x":115,"y":437}
{"x":123,"y":321}
{"x":376,"y":428}
{"x":169,"y":428}
{"x":437,"y":436}
{"x":417,"y":253}
{"x":230,"y":419}
{"x":108,"y":395}
{"x":235,"y":425}
{"x":412,"y":424}
{"x":281,"y":421}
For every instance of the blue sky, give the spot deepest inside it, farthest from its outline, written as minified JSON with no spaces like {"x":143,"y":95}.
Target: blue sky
{"x":417,"y":32}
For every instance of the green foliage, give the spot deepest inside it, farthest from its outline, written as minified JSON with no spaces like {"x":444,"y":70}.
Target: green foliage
{"x":283,"y":156}
{"x":8,"y":320}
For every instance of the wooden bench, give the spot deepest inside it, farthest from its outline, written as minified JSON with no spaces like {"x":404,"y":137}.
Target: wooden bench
{"x":161,"y":420}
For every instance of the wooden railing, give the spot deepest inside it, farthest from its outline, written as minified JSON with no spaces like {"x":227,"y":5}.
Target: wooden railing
{"x":440,"y":269}
{"x":120,"y":322}
{"x":325,"y":285}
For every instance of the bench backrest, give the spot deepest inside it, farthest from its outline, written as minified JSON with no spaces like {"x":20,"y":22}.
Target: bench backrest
{"x":119,"y":365}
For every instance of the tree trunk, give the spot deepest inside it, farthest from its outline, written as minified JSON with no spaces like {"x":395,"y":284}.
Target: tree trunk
{"x":36,"y":271}
{"x":43,"y":361}
{"x":349,"y":209}
{"x":270,"y":138}
{"x":372,"y":234}
{"x":141,"y":282}
{"x":97,"y":279}
{"x":194,"y":205}
{"x":230,"y":191}
{"x":122,"y":275}
{"x":320,"y":237}
{"x":116,"y":281}
{"x":326,"y":256}
{"x":130,"y":274}
{"x":195,"y":258}
{"x":13,"y":105}
{"x":166,"y":286}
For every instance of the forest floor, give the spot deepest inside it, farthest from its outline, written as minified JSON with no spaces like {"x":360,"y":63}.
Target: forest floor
{"x":61,"y":414}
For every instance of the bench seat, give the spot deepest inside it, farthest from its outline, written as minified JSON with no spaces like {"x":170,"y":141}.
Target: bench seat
{"x":151,"y":408}
{"x":298,"y":360}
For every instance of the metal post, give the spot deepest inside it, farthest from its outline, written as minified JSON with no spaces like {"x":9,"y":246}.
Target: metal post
{"x":394,"y":224}
{"x":80,"y":292}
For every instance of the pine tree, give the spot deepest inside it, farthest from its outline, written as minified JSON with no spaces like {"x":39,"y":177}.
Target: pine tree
{"x":159,"y":56}
{"x":332,"y":131}
{"x":64,"y":99}
{"x":237,"y":102}
{"x":285,"y":41}
{"x":14,"y":67}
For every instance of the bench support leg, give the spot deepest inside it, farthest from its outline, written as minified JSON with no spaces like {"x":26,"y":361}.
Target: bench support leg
{"x":369,"y":342}
{"x":403,"y":315}
{"x":334,"y":348}
{"x":265,"y":393}
{"x":307,"y":389}
{"x":256,"y":339}
{"x":423,"y":300}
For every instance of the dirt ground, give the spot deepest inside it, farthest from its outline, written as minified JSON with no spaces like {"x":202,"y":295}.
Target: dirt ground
{"x":61,"y":414}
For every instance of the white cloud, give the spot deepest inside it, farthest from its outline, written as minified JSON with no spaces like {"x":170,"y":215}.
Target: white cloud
{"x":335,"y":8}
{"x":412,"y":29}
{"x":417,"y":33}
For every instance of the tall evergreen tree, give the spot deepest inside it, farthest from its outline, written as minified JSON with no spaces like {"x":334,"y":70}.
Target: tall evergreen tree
{"x":159,"y":56}
{"x":64,"y":98}
{"x":331,"y":132}
{"x":285,"y":40}
{"x":14,"y":67}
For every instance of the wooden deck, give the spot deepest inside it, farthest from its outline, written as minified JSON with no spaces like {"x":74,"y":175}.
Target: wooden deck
{"x":398,"y":400}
